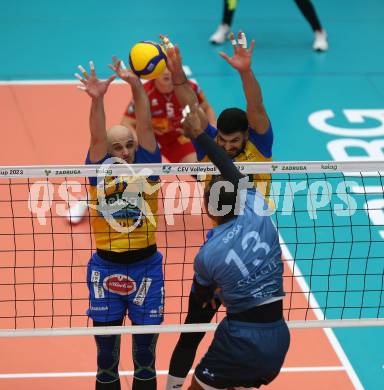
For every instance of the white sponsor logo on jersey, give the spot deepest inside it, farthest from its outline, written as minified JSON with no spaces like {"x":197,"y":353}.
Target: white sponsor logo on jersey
{"x":234,"y":232}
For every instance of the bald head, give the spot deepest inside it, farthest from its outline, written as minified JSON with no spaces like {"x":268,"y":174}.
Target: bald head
{"x":122,"y":142}
{"x":118,"y":132}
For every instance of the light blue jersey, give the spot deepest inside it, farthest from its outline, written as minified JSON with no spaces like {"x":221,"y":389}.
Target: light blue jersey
{"x":243,"y":258}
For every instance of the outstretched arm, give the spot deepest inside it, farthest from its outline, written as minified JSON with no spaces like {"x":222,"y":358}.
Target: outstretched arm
{"x":184,"y":92}
{"x":144,"y":130}
{"x":96,"y":89}
{"x":241,"y":61}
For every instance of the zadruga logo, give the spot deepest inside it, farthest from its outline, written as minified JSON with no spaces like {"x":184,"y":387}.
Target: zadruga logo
{"x":129,"y":201}
{"x":67,"y":172}
{"x":294,"y":168}
{"x":47,"y":172}
{"x":329,"y":167}
{"x":274,"y":167}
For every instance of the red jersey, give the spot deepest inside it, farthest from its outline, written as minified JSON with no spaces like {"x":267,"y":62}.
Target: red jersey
{"x":166,"y":112}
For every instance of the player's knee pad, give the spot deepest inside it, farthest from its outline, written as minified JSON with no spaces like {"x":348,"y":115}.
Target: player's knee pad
{"x":108,"y":356}
{"x":108,"y":385}
{"x":143,"y":351}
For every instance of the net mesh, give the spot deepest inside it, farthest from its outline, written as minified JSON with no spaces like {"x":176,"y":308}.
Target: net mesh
{"x":330,"y":218}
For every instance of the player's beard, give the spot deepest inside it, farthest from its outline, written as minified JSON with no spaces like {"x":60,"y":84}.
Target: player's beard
{"x":240,"y":150}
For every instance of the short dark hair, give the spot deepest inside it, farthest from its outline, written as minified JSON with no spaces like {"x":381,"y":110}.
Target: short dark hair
{"x":231,"y":120}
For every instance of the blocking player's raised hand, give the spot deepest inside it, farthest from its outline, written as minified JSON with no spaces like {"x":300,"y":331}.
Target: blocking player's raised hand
{"x":242,"y":57}
{"x":174,"y":61}
{"x":183,"y":90}
{"x":125,"y":74}
{"x":144,"y":129}
{"x":94,"y":87}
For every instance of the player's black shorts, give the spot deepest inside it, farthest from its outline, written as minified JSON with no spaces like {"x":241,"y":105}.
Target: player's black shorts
{"x":244,"y":354}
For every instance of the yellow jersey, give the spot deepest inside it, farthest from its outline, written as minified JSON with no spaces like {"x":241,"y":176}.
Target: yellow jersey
{"x":258,"y":148}
{"x":123,"y":210}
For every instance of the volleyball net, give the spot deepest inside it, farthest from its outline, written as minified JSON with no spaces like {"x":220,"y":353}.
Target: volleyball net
{"x":329,"y":215}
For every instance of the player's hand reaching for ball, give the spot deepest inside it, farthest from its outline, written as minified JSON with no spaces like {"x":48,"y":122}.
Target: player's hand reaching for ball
{"x":125,"y":74}
{"x":174,"y":62}
{"x":94,"y":87}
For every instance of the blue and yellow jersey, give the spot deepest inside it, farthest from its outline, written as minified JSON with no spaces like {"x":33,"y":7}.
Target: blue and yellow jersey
{"x":258,"y":148}
{"x":123,"y":210}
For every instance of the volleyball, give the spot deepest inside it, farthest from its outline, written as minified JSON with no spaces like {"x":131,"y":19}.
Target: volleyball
{"x":147,"y":60}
